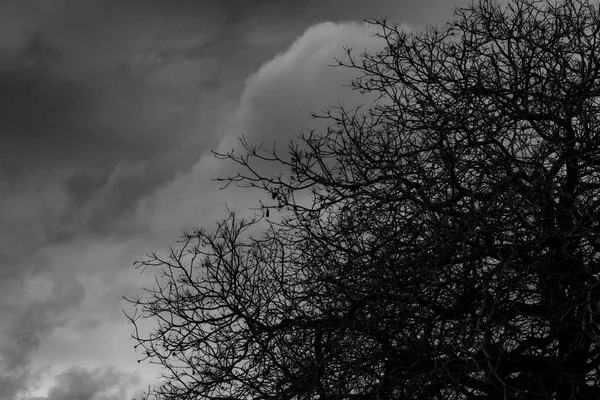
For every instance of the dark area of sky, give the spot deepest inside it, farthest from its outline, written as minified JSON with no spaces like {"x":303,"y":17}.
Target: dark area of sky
{"x":84,"y":86}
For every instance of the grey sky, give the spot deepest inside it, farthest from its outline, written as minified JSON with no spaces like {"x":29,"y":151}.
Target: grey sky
{"x":108,"y":110}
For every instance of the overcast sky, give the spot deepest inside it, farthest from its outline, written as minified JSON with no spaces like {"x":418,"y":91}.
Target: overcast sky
{"x":108,"y":112}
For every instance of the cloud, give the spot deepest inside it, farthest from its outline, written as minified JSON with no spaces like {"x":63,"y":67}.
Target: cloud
{"x":85,"y":136}
{"x":79,"y":117}
{"x":103,"y":383}
{"x":280,"y":95}
{"x":27,"y":318}
{"x":277,"y":100}
{"x":68,"y":311}
{"x":61,"y":271}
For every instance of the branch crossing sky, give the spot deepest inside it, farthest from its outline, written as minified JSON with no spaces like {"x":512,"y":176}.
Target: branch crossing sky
{"x":108,"y":112}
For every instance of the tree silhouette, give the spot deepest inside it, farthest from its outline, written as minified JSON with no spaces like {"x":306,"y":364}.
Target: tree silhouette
{"x":441,"y":244}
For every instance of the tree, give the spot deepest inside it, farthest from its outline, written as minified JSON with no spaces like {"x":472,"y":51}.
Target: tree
{"x":441,"y":244}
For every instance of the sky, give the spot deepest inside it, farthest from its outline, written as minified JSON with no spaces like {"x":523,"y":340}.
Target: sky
{"x":109,"y":110}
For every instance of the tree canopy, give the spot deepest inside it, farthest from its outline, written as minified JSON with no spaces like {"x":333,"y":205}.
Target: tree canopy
{"x":439,"y":243}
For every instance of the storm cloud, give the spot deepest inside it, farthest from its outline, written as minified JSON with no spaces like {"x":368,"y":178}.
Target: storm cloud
{"x":108,"y":112}
{"x":103,"y":383}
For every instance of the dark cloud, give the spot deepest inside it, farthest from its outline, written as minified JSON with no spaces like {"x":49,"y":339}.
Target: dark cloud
{"x":38,"y":52}
{"x":87,"y":85}
{"x":38,"y":117}
{"x":97,"y":109}
{"x":27,"y":319}
{"x":106,"y":107}
{"x":105,"y":383}
{"x":88,"y":88}
{"x":16,"y":373}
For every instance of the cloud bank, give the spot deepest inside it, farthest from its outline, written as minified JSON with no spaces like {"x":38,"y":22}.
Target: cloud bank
{"x":72,"y":303}
{"x":276,"y":102}
{"x":105,"y":383}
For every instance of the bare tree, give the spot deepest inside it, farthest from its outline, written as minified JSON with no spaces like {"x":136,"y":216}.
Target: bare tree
{"x":441,"y":244}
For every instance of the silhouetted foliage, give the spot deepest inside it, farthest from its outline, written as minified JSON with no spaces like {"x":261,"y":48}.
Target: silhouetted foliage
{"x":441,"y":244}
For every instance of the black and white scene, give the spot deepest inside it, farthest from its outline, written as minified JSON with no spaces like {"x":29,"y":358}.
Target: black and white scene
{"x":299,"y":199}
